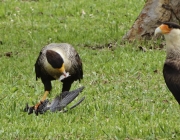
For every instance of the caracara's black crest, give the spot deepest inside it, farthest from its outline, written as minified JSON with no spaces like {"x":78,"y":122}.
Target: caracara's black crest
{"x":54,"y":59}
{"x":172,"y":25}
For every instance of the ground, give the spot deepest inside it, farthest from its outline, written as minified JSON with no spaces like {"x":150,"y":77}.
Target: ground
{"x":126,"y":97}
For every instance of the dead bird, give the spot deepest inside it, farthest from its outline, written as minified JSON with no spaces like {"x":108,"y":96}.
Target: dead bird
{"x":58,"y":103}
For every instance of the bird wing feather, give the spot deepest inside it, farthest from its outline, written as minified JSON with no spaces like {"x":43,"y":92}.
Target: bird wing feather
{"x":171,"y":74}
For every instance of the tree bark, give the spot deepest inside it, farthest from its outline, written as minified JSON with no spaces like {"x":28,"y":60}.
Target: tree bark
{"x":153,"y":13}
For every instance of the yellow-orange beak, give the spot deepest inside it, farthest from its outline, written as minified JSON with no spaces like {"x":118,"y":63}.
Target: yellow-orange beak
{"x":63,"y":72}
{"x":163,"y":29}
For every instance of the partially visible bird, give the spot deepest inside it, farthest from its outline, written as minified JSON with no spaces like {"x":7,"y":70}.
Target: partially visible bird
{"x":58,"y":61}
{"x":171,"y":70}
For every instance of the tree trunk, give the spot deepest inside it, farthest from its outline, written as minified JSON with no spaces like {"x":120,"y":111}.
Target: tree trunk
{"x":153,"y":13}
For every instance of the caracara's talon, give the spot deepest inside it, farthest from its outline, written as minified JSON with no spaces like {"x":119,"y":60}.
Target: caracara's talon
{"x":37,"y":105}
{"x":40,"y":108}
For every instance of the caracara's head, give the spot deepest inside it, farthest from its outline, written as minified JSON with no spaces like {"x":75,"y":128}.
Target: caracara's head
{"x":171,"y":32}
{"x":166,"y":28}
{"x":56,"y":61}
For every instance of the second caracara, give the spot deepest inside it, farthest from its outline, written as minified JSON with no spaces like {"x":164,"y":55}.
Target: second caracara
{"x":58,"y":62}
{"x":171,"y":70}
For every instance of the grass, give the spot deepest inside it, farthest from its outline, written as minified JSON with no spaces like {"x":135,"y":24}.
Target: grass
{"x":126,"y":97}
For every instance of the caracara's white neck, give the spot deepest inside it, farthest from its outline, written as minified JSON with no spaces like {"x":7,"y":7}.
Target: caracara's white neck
{"x":173,"y":43}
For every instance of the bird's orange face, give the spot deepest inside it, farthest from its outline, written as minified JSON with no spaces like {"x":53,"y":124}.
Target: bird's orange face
{"x":164,"y":28}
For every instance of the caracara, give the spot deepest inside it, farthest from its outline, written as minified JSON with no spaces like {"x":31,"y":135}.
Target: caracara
{"x":171,"y":70}
{"x":58,"y":62}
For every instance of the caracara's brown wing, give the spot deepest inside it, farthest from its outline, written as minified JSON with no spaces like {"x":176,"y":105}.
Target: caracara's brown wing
{"x":79,"y":67}
{"x":38,"y":68}
{"x":42,"y":73}
{"x":76,"y":75}
{"x":76,"y":63}
{"x":76,"y":70}
{"x":172,"y":78}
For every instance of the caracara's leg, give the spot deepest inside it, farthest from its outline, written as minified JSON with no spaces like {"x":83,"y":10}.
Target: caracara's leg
{"x":67,"y":84}
{"x":47,"y":88}
{"x":42,"y":100}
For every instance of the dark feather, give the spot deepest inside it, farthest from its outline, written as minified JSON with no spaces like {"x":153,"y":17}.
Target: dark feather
{"x":172,"y":25}
{"x":61,"y":101}
{"x":79,"y":67}
{"x":76,"y":104}
{"x":171,"y":72}
{"x":54,"y":59}
{"x":38,"y":68}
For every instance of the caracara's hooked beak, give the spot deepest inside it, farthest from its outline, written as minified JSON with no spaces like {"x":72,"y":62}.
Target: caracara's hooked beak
{"x":162,"y":29}
{"x":64,"y":74}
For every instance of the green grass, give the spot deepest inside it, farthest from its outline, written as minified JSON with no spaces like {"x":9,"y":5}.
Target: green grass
{"x":126,"y":97}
